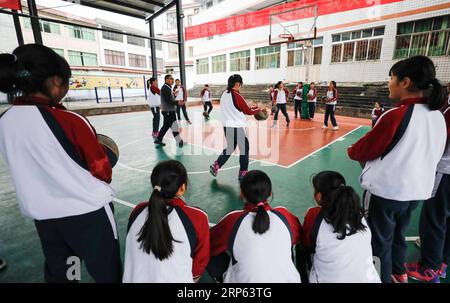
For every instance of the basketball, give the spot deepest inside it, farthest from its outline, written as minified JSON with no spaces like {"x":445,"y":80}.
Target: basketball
{"x":262,"y":115}
{"x":111,"y":148}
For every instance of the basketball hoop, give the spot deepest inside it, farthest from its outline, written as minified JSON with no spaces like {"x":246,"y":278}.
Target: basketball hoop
{"x":288,"y":37}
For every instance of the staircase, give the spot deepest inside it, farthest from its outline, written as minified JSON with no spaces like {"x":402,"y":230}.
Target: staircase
{"x":355,"y":101}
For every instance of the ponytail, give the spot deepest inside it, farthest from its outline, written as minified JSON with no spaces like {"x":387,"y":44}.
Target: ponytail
{"x":155,"y":235}
{"x":422,"y":73}
{"x":256,"y":188}
{"x":261,"y":223}
{"x":344,"y":212}
{"x":437,"y":95}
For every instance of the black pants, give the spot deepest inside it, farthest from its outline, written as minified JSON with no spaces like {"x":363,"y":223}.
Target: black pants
{"x":170,"y":121}
{"x":156,"y":118}
{"x":235,"y":137}
{"x":434,"y":226}
{"x":207,"y":105}
{"x":281,"y":107}
{"x":329,"y":112}
{"x":89,"y":237}
{"x":297,"y":107}
{"x":312,"y":109}
{"x":182,"y":107}
{"x":388,"y":220}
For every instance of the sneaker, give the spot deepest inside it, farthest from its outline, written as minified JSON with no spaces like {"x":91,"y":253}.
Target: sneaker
{"x":442,"y":272}
{"x":2,"y":264}
{"x":402,"y":278}
{"x":295,"y":117}
{"x":287,"y":124}
{"x":324,"y":126}
{"x":274,"y":125}
{"x":181,"y":143}
{"x":159,"y":143}
{"x":189,"y":122}
{"x":214,"y":169}
{"x":335,"y":127}
{"x":242,"y":174}
{"x":420,"y":273}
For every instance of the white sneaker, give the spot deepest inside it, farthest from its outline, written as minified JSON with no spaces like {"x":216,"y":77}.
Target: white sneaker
{"x":324,"y":126}
{"x":335,"y":127}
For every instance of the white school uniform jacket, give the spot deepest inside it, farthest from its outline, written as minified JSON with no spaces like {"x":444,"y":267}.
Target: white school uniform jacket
{"x":206,"y":95}
{"x":402,"y":152}
{"x":337,"y":261}
{"x":298,"y":93}
{"x":332,"y":97}
{"x":312,"y":95}
{"x":256,"y":258}
{"x":154,"y":96}
{"x":57,"y":165}
{"x":444,"y":164}
{"x":189,"y":227}
{"x":233,"y":109}
{"x":281,"y":96}
{"x":182,"y":94}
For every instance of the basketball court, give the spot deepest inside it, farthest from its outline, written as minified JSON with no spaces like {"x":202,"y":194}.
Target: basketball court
{"x":305,"y":149}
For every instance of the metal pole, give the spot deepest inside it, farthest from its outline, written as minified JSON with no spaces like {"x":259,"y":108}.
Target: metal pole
{"x":34,"y":21}
{"x":96,"y":95}
{"x":180,"y":33}
{"x":109,"y":92}
{"x":121,"y":92}
{"x":145,"y":89}
{"x":153,"y":50}
{"x":19,"y":34}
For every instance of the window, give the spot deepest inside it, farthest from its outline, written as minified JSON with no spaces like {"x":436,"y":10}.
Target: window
{"x":158,"y":45}
{"x":429,"y":37}
{"x":81,"y":33}
{"x":317,"y":48}
{"x":336,"y":52}
{"x":159,"y":63}
{"x":137,"y":61}
{"x":219,"y":64}
{"x":190,"y":51}
{"x":171,"y":21}
{"x":297,"y":54}
{"x":240,"y":61}
{"x":45,"y":26}
{"x":112,"y":36}
{"x":202,"y":66}
{"x":173,"y":50}
{"x":360,"y":45}
{"x":82,"y":59}
{"x":196,"y":11}
{"x":268,"y":57}
{"x":136,"y":41}
{"x":59,"y":51}
{"x":209,"y":4}
{"x":114,"y":57}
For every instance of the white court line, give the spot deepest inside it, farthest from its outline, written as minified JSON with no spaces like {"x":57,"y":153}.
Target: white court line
{"x":133,"y":206}
{"x":325,"y":146}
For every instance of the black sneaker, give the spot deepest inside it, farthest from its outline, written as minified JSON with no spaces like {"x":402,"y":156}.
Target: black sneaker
{"x":159,"y":143}
{"x":287,"y":124}
{"x":2,"y":264}
{"x":189,"y":122}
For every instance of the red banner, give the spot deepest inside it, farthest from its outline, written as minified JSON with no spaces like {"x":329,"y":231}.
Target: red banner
{"x":12,"y":4}
{"x":262,"y":17}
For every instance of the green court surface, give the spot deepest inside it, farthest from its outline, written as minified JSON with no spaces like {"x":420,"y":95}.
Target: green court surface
{"x":19,"y":244}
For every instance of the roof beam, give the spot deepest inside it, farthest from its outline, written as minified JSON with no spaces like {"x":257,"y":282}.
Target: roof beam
{"x":112,"y":10}
{"x":139,"y":8}
{"x":156,"y":3}
{"x":161,"y":11}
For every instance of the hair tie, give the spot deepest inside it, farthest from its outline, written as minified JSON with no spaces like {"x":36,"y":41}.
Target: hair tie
{"x":260,"y":204}
{"x":23,"y":74}
{"x":15,"y":57}
{"x":158,"y":188}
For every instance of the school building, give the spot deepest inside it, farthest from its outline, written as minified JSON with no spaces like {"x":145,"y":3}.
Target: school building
{"x":356,"y":42}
